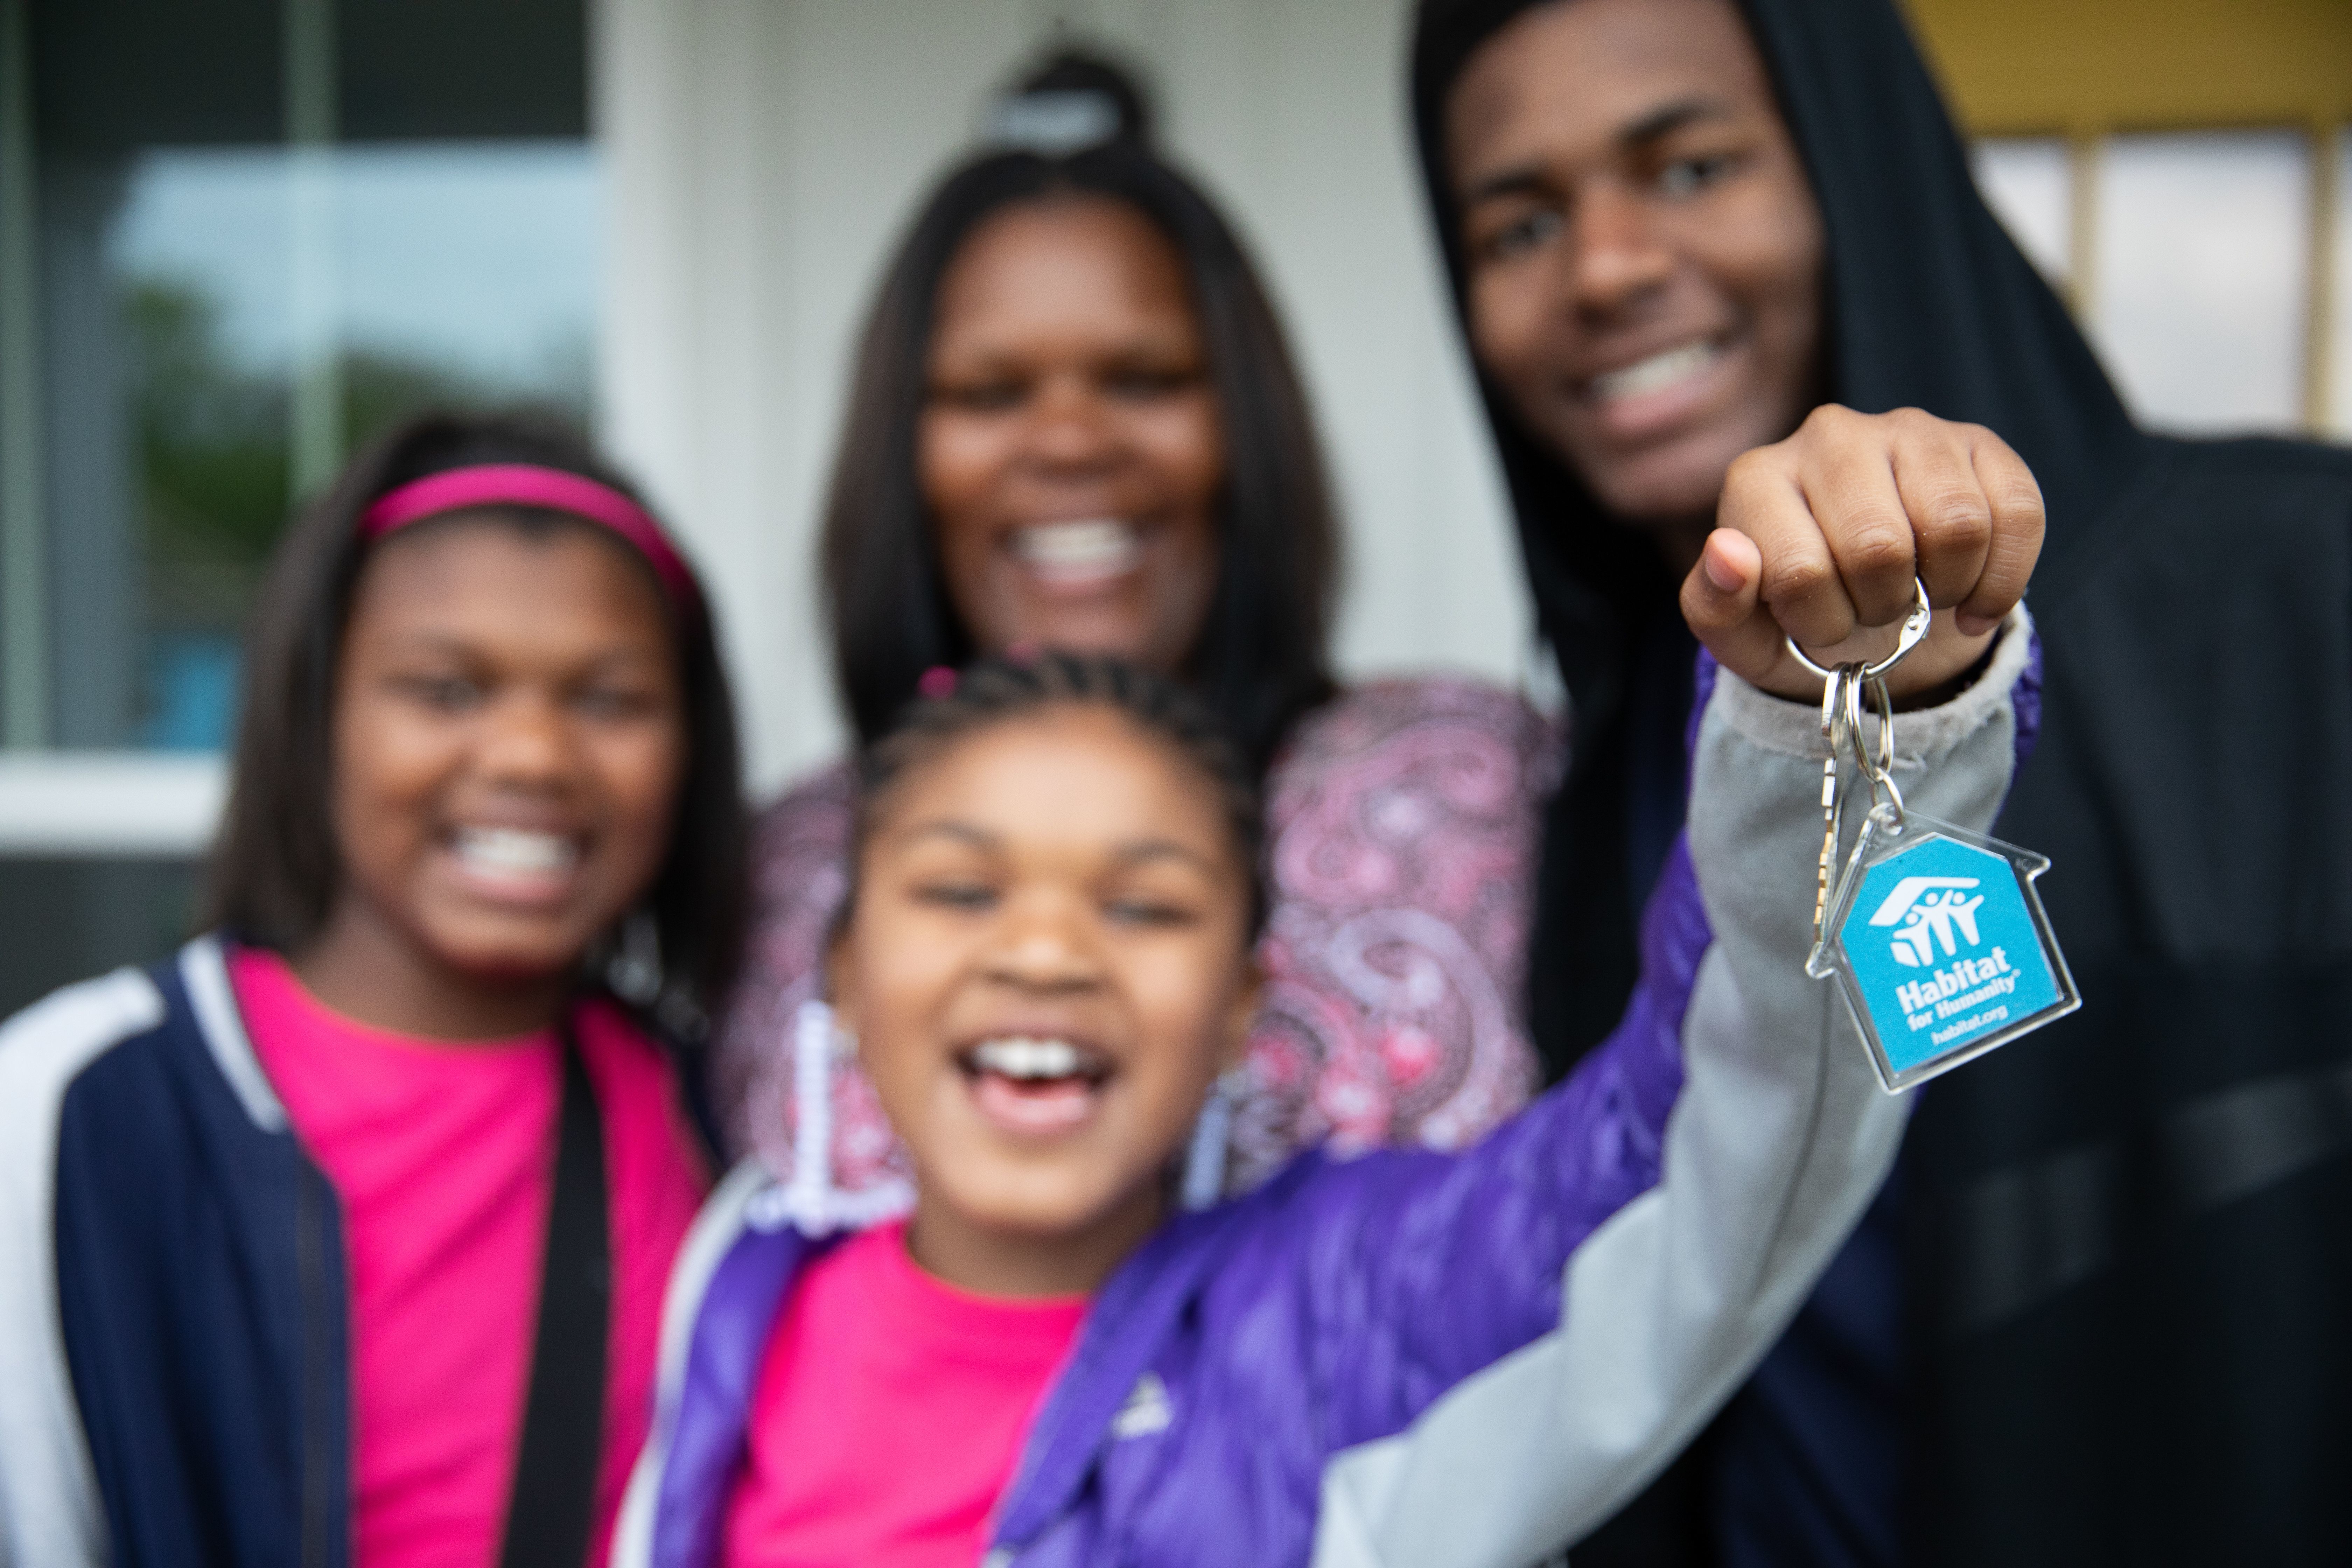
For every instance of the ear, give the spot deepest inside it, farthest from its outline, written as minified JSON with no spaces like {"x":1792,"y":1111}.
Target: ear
{"x":1241,"y":1014}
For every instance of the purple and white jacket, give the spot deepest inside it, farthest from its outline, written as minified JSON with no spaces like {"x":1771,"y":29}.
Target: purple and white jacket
{"x":1434,"y":1359}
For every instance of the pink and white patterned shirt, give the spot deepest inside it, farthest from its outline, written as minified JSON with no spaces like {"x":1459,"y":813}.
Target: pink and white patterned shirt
{"x":1402,"y":820}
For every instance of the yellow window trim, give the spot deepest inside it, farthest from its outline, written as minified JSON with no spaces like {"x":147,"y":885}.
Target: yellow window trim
{"x":2082,"y":67}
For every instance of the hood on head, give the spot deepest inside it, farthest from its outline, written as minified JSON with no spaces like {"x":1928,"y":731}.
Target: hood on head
{"x":1931,"y":304}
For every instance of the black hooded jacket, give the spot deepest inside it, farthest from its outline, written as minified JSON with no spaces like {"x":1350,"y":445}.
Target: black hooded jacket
{"x":2125,"y":1242}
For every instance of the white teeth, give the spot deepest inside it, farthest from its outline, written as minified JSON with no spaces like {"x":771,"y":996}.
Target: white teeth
{"x":1654,"y":373}
{"x":1020,"y":1056}
{"x":1088,"y":551}
{"x":511,"y":851}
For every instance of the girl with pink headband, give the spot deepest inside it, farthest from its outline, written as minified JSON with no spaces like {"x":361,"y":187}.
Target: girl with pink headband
{"x":340,"y":1235}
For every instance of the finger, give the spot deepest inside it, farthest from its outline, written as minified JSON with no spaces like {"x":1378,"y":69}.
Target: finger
{"x":1721,"y":601}
{"x":1763,"y":499}
{"x":2017,"y":524}
{"x":1951,"y":517}
{"x":1859,"y":509}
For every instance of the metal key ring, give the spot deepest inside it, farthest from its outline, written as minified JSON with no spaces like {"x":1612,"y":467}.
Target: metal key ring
{"x":1914,"y":632}
{"x":1878,"y":772}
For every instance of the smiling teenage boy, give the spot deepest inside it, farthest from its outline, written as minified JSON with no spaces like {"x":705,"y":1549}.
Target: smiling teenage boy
{"x":1679,"y":227}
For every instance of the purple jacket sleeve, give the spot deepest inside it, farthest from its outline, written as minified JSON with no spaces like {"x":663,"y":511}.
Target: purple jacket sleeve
{"x":1431,"y":1270}
{"x":1428,"y":1267}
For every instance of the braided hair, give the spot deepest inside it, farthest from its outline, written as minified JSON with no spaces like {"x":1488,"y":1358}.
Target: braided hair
{"x":995,"y":691}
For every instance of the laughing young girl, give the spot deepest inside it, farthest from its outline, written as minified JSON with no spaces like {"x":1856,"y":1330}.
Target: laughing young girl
{"x":1409,"y":1357}
{"x":340,"y":1238}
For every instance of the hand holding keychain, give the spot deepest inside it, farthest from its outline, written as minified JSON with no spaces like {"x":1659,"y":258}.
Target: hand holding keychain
{"x":1934,"y":932}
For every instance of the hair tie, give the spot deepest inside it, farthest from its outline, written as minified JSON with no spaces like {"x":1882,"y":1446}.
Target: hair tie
{"x":937,"y":683}
{"x":550,"y":489}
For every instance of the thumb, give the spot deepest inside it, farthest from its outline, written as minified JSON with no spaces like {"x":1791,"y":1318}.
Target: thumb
{"x":1722,"y":601}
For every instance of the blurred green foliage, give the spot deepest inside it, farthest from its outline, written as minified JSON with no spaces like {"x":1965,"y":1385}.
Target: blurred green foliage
{"x":212,"y":443}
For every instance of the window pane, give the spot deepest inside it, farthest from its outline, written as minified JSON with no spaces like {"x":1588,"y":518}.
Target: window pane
{"x":431,"y":242}
{"x":459,"y":274}
{"x":2200,"y":259}
{"x":223,"y":313}
{"x":2028,"y":181}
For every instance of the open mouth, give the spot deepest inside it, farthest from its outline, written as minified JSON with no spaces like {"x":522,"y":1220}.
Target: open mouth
{"x":1659,"y":372}
{"x":514,"y":862}
{"x":1035,"y":1084}
{"x":1084,"y":553}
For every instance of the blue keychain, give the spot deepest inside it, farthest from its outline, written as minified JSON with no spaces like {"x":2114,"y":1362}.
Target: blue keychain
{"x":1934,"y":932}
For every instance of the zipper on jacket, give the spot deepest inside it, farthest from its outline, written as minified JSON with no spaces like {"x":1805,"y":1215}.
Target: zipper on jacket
{"x":317,"y":1399}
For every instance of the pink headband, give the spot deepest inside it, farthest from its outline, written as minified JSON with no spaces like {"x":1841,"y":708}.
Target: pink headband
{"x":523,"y":484}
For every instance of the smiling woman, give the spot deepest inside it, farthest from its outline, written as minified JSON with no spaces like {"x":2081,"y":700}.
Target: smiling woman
{"x":1075,"y":426}
{"x":1070,"y":449}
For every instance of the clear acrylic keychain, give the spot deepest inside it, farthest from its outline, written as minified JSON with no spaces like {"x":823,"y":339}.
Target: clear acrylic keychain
{"x":1934,"y":932}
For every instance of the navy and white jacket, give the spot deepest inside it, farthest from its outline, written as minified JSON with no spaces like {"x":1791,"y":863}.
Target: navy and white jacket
{"x":1413,"y":1358}
{"x":173,"y":1364}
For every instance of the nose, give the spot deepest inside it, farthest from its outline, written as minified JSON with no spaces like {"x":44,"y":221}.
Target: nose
{"x":1615,"y":256}
{"x":525,"y":742}
{"x":1043,"y":947}
{"x":1070,"y":429}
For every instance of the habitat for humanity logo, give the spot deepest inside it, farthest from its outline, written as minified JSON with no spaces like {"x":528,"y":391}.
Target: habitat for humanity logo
{"x":1936,"y":912}
{"x":1929,"y":907}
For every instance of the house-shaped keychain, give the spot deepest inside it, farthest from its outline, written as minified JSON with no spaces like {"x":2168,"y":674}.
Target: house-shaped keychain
{"x":1940,"y":945}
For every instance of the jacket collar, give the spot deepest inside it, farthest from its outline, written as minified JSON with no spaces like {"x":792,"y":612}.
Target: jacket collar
{"x":734,"y":1274}
{"x":202,"y":973}
{"x":1133,"y":1317}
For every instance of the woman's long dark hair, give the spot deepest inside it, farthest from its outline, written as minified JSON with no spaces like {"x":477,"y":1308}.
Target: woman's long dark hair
{"x":274,"y":871}
{"x":1259,"y":660}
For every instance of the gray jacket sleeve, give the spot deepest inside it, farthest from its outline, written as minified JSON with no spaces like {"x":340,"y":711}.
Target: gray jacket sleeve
{"x":1779,"y":1140}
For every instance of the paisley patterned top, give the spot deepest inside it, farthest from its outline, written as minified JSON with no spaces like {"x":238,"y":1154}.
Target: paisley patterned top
{"x":1402,"y":821}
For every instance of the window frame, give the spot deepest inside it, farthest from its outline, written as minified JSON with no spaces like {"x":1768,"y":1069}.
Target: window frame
{"x":128,"y":803}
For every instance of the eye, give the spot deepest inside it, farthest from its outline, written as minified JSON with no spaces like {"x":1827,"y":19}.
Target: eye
{"x":615,"y":701}
{"x":1688,"y":177}
{"x":442,"y":693}
{"x":1147,"y":912}
{"x":969,"y":897}
{"x":994,"y":395}
{"x":1529,"y":231}
{"x":1144,"y":383}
